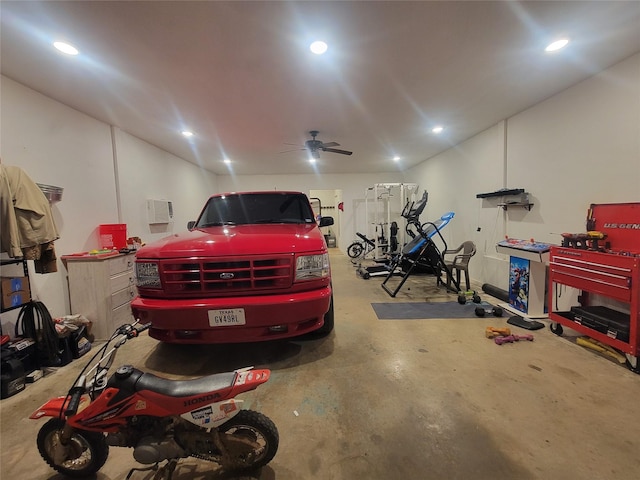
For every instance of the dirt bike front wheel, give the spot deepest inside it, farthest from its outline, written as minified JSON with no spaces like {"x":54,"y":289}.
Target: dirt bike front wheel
{"x":251,"y":440}
{"x":83,"y":455}
{"x":355,"y":250}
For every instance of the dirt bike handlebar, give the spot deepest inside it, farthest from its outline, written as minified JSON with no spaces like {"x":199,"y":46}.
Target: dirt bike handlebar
{"x":131,"y":330}
{"x":76,"y":393}
{"x":127,"y":331}
{"x":135,"y":331}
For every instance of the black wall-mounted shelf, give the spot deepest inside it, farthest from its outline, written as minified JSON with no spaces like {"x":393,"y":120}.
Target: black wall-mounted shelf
{"x":502,"y":192}
{"x":506,"y":192}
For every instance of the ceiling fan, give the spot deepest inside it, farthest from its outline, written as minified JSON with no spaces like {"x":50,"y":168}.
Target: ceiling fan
{"x":315,"y":146}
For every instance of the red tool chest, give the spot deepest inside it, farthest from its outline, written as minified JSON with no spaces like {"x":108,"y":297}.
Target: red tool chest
{"x":612,"y":272}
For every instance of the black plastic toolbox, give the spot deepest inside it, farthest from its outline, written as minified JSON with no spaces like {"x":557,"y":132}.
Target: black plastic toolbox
{"x":603,"y":319}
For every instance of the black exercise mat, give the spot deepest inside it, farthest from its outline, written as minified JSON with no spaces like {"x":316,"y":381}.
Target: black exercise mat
{"x":425,"y":310}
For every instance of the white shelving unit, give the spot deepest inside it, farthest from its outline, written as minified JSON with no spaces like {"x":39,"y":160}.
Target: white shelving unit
{"x":380,"y":201}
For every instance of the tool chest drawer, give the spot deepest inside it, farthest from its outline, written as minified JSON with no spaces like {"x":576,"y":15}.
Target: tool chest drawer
{"x":606,"y":274}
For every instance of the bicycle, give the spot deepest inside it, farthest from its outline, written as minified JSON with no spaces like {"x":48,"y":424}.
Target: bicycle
{"x":362,"y":249}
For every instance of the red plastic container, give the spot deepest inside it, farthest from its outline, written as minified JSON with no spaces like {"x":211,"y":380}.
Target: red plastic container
{"x":113,"y":235}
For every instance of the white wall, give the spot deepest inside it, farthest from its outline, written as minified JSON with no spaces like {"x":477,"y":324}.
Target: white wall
{"x":146,"y":172}
{"x":578,"y":147}
{"x":57,"y":145}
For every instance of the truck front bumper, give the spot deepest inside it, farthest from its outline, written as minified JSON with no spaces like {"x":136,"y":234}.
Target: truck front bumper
{"x":268,"y":317}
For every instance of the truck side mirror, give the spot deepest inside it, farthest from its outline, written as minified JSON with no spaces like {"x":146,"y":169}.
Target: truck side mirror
{"x":326,"y":221}
{"x":191,"y":224}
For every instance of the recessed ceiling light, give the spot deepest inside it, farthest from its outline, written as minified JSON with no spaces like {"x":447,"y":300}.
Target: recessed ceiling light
{"x":187,"y":133}
{"x":226,"y":160}
{"x":318,"y":47}
{"x":557,"y":45}
{"x":437,"y":129}
{"x":66,"y":48}
{"x":396,"y":158}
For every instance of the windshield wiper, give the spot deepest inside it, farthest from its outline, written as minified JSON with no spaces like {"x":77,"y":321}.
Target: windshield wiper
{"x":278,"y":220}
{"x":215,"y":224}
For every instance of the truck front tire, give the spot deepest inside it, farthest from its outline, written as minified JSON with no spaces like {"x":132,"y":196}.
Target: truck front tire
{"x":327,"y":328}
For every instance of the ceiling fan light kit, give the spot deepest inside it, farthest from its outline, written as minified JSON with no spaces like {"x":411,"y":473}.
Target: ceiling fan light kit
{"x":315,"y":146}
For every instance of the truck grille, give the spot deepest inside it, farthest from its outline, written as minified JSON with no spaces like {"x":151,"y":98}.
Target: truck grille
{"x":226,"y":276}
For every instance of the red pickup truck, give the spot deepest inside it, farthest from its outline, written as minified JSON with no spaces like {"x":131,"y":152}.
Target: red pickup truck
{"x":253,"y":267}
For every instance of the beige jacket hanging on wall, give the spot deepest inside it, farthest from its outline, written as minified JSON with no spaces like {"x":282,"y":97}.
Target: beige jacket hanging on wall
{"x":27,"y":229}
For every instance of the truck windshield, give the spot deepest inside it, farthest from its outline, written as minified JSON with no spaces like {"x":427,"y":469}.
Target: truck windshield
{"x":254,"y":208}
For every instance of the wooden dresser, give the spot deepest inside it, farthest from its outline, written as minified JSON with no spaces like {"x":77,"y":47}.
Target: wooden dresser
{"x":101,"y":288}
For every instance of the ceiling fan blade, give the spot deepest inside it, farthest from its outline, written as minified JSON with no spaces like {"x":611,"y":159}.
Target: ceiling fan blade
{"x":335,"y":150}
{"x":294,"y":150}
{"x":331,"y":144}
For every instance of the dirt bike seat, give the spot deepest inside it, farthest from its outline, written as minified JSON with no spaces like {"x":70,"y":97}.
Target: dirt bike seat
{"x":127,"y":377}
{"x":185,"y":388}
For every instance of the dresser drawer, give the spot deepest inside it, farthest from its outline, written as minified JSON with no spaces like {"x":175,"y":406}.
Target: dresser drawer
{"x":122,"y":296}
{"x":121,"y":281}
{"x":121,"y":315}
{"x":120,"y":264}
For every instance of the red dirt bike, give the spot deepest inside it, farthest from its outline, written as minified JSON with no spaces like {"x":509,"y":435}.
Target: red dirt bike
{"x":161,"y":419}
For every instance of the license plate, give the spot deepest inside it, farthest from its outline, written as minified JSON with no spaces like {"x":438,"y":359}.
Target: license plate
{"x":223,"y":318}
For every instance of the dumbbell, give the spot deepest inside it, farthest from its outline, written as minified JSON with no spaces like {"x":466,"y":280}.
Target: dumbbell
{"x":493,"y":332}
{"x":462,"y":297}
{"x":482,"y":311}
{"x":512,"y":339}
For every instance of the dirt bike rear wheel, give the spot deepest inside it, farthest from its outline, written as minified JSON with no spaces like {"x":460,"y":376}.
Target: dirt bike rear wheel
{"x":84,"y":455}
{"x":355,"y":250}
{"x":251,"y":440}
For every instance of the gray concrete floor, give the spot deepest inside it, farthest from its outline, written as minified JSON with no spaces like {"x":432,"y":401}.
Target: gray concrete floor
{"x":394,"y":399}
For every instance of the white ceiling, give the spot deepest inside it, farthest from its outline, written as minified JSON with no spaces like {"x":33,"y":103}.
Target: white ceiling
{"x":240,"y":75}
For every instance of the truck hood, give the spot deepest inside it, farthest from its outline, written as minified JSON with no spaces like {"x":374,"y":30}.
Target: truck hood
{"x":238,"y":240}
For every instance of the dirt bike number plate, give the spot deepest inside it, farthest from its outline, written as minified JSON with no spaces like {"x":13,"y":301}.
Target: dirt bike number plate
{"x":223,"y":318}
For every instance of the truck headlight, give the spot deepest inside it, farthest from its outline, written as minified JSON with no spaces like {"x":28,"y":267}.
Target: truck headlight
{"x":310,"y":267}
{"x":147,"y":275}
